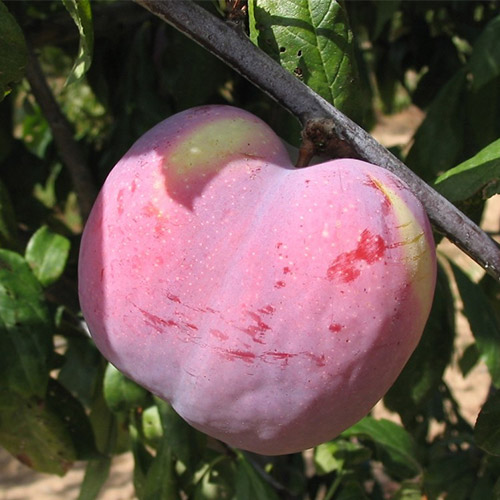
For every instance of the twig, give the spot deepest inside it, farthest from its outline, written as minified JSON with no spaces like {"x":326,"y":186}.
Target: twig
{"x":69,"y":150}
{"x":236,"y":50}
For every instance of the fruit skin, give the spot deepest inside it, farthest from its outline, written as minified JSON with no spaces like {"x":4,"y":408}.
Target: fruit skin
{"x":271,"y":306}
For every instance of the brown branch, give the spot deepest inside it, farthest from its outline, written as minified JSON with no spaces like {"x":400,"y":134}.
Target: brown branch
{"x":236,"y":50}
{"x":69,"y":150}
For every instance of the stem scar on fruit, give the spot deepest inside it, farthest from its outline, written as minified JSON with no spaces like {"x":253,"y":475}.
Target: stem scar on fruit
{"x":321,"y":137}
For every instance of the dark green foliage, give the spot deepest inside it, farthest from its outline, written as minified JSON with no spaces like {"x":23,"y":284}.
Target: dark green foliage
{"x":116,"y":71}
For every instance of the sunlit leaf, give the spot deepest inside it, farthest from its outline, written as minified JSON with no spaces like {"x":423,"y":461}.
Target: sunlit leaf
{"x":339,"y":454}
{"x":81,"y":13}
{"x":312,"y":40}
{"x":394,"y":444}
{"x":481,"y":173}
{"x":47,"y":253}
{"x":121,"y":393}
{"x":151,"y":424}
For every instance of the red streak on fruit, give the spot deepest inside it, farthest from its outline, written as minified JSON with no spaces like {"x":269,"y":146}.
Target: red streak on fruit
{"x":370,"y":249}
{"x":269,"y":309}
{"x":119,"y":199}
{"x":286,"y":270}
{"x":277,"y":356}
{"x":156,"y":322}
{"x":319,"y":360}
{"x":173,"y":298}
{"x":218,"y":334}
{"x":150,"y":210}
{"x":279,"y":284}
{"x":335,"y":327}
{"x":159,"y":228}
{"x":248,"y":357}
{"x":256,"y":331}
{"x":386,"y":204}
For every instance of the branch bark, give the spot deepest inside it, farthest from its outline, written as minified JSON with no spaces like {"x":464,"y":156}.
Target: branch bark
{"x":236,"y":50}
{"x":69,"y":150}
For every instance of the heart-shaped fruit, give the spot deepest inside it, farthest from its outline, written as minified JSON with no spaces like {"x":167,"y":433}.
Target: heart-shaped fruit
{"x":271,"y":306}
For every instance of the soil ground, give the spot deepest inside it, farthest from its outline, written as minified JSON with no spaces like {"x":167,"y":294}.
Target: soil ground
{"x":17,"y":482}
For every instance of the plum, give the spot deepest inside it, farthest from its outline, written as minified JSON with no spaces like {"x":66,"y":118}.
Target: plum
{"x":271,"y":306}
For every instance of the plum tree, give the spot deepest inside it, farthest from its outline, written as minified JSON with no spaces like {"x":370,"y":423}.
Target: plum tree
{"x":271,"y":306}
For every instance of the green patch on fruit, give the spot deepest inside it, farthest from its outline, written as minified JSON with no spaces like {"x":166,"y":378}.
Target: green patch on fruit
{"x":204,"y":150}
{"x":416,"y":249}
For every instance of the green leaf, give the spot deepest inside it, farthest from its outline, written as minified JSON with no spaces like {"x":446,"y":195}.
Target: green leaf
{"x":312,"y":40}
{"x":34,"y":129}
{"x":487,"y":430}
{"x":384,"y":12}
{"x":151,"y":424}
{"x":47,"y":253}
{"x":34,"y":434}
{"x":13,"y":52}
{"x":186,"y":443}
{"x":71,"y":412}
{"x":484,"y":63}
{"x":439,"y":140}
{"x":81,"y":12}
{"x":104,"y":424}
{"x":352,"y":490}
{"x":394,"y":445}
{"x":324,"y":459}
{"x":482,"y":321}
{"x":481,"y":173}
{"x":142,"y":460}
{"x":183,"y":80}
{"x":121,"y":393}
{"x":25,"y":328}
{"x":339,"y":454}
{"x":96,"y":474}
{"x":161,"y":483}
{"x":8,"y":225}
{"x":250,"y":484}
{"x":423,"y":373}
{"x":81,"y":369}
{"x":409,"y":490}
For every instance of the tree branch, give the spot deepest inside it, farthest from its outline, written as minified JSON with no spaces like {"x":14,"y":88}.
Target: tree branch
{"x":236,"y":50}
{"x":69,"y":150}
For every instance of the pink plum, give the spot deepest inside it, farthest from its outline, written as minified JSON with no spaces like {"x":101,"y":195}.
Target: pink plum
{"x":271,"y":306}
